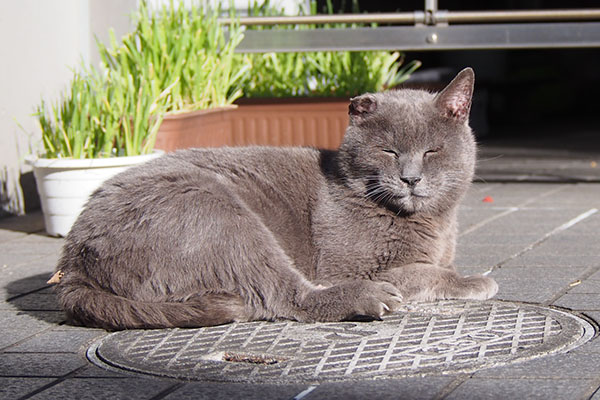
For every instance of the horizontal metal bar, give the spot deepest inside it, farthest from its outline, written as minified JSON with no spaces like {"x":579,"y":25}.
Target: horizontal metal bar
{"x":418,"y":17}
{"x":461,"y":17}
{"x":407,"y":38}
{"x":380,"y":18}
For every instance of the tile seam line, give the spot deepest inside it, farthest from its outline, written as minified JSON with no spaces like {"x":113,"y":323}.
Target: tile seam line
{"x":592,"y":391}
{"x":55,"y":382}
{"x":572,"y":222}
{"x":305,"y":392}
{"x":451,"y":386}
{"x":567,"y":288}
{"x":19,"y":295}
{"x":6,"y":349}
{"x":510,"y":210}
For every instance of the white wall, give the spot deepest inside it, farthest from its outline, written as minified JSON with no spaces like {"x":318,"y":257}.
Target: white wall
{"x":40,"y":41}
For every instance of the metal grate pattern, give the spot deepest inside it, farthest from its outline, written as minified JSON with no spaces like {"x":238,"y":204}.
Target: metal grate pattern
{"x":442,"y":337}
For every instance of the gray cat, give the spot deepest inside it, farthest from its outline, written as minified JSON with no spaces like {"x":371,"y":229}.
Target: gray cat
{"x":209,"y":236}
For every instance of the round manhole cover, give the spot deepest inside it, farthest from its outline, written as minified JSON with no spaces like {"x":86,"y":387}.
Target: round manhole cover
{"x":426,"y":338}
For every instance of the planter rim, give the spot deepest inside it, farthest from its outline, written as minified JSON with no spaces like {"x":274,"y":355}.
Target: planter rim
{"x":41,"y":162}
{"x":186,"y":114}
{"x":290,"y":100}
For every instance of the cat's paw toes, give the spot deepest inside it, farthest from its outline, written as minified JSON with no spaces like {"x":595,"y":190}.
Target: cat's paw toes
{"x":480,"y":287}
{"x":375,"y":300}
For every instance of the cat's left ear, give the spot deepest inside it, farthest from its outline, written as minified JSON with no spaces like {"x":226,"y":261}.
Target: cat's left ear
{"x":455,"y":100}
{"x":361,"y":106}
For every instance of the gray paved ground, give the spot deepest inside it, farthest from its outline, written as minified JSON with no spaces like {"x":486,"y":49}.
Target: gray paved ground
{"x":540,"y":242}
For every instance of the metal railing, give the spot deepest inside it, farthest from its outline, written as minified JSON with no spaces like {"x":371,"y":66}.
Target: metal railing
{"x":429,"y":29}
{"x":420,"y":17}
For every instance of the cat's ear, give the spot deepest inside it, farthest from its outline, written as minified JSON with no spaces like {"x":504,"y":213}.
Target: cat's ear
{"x":361,"y":106}
{"x":455,"y":100}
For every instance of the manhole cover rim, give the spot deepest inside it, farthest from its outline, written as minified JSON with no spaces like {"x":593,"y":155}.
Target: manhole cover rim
{"x":580,"y":326}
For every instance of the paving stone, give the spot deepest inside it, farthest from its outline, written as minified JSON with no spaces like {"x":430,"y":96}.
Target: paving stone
{"x":538,"y":259}
{"x":109,"y":389}
{"x":14,"y":388}
{"x":527,"y":297}
{"x":572,"y":365}
{"x":29,"y":284}
{"x":473,"y":270}
{"x":406,"y":389}
{"x":16,"y":326}
{"x":586,"y":286}
{"x":593,"y":315}
{"x":31,"y":249}
{"x":27,"y":276}
{"x":479,"y":240}
{"x":468,"y":217}
{"x":75,"y":341}
{"x":595,"y":275}
{"x":588,"y":226}
{"x":507,"y":195}
{"x":596,"y":395}
{"x":535,"y":221}
{"x":502,"y":389}
{"x":579,"y":301}
{"x":593,"y":346}
{"x":545,"y":283}
{"x":529,"y":221}
{"x":215,"y":391}
{"x":39,"y":364}
{"x":32,"y":222}
{"x":584,"y":245}
{"x":574,"y":196}
{"x":33,"y":302}
{"x":7,"y":236}
{"x":484,"y":255}
{"x":93,"y":371}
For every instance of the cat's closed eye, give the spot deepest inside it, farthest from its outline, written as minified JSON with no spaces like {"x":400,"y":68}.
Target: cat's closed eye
{"x":431,"y":152}
{"x":391,"y":152}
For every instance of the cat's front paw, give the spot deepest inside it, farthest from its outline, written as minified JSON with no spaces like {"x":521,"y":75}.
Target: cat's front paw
{"x":356,"y":300}
{"x":479,"y":287}
{"x":373,"y":300}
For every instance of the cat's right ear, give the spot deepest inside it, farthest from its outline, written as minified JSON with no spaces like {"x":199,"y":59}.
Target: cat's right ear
{"x":361,"y":106}
{"x":455,"y":100}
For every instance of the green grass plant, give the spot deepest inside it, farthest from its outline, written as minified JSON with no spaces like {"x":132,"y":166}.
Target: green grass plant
{"x":321,"y":74}
{"x":185,"y":47}
{"x":180,"y":59}
{"x":177,"y":59}
{"x":101,"y":115}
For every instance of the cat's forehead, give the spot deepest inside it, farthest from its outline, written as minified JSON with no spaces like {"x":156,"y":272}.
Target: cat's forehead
{"x":409,"y":118}
{"x":407,"y":110}
{"x":406,"y":99}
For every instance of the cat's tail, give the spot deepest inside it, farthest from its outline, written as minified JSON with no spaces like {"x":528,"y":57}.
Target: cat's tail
{"x":94,"y":307}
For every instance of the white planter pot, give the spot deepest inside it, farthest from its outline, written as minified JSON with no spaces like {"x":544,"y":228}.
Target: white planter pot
{"x":64,"y":185}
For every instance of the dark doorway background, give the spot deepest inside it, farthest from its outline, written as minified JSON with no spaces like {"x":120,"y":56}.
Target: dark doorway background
{"x":528,"y":89}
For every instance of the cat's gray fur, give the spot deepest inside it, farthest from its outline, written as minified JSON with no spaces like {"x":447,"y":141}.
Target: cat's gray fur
{"x":209,"y":236}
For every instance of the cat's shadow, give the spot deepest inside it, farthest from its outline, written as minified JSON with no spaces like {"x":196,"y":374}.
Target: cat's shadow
{"x":32,"y":296}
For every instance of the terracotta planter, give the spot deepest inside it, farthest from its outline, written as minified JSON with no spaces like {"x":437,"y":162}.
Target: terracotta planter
{"x":203,"y":128}
{"x":266,"y":122}
{"x":290,"y":122}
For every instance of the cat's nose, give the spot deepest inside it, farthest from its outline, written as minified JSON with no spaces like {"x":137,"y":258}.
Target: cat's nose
{"x":410,"y":180}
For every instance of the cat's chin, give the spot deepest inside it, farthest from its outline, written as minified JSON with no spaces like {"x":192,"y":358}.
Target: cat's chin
{"x":407,"y":204}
